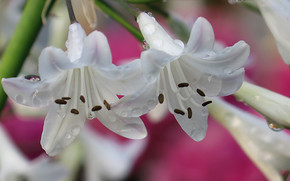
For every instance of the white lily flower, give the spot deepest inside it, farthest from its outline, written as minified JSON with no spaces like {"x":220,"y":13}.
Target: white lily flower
{"x":15,"y":167}
{"x":267,"y":149}
{"x":273,"y":106}
{"x":276,"y":14}
{"x":78,"y":84}
{"x":107,"y":158}
{"x":184,"y":75}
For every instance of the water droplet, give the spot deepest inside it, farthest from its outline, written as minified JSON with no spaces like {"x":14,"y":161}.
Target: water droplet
{"x":235,"y":1}
{"x":204,"y":111}
{"x":112,"y":118}
{"x":91,"y":116}
{"x":179,"y":42}
{"x":274,"y":126}
{"x":68,"y":136}
{"x":149,"y":29}
{"x":19,"y":99}
{"x":228,"y":71}
{"x":257,"y":98}
{"x":157,"y":43}
{"x":136,"y":112}
{"x":32,"y":77}
{"x":124,"y":114}
{"x":149,"y":13}
{"x":151,"y":104}
{"x":145,"y":45}
{"x":76,"y":130}
{"x":209,"y":78}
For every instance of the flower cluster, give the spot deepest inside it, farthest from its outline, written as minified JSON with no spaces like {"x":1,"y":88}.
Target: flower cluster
{"x":82,"y":83}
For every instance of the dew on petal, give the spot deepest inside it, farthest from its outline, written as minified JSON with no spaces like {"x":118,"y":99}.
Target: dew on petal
{"x":179,"y":42}
{"x":76,"y":130}
{"x":32,"y":77}
{"x":157,"y":43}
{"x":112,"y":118}
{"x":68,"y":136}
{"x":136,"y":112}
{"x":124,"y":114}
{"x":149,"y":29}
{"x":274,"y":126}
{"x":19,"y":99}
{"x":145,"y":45}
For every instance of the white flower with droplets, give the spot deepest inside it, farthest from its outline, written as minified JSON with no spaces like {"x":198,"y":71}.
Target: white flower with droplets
{"x":108,"y":158}
{"x":267,"y":149}
{"x":77,"y":84}
{"x":184,"y":75}
{"x":15,"y":167}
{"x":277,"y":16}
{"x":274,"y":107}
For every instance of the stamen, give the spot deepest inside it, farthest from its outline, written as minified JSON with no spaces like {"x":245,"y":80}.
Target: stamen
{"x":161,"y":98}
{"x":184,"y":84}
{"x":70,"y":12}
{"x":60,"y":101}
{"x":206,"y":103}
{"x":189,"y":112}
{"x":96,"y":108}
{"x":200,"y":92}
{"x":74,"y":111}
{"x":178,"y":111}
{"x":82,"y":98}
{"x":108,"y":106}
{"x":65,"y":98}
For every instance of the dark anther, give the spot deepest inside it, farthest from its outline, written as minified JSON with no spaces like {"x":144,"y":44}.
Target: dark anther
{"x":178,"y":111}
{"x":60,"y":101}
{"x":161,"y":98}
{"x":96,"y":108}
{"x":200,"y":92}
{"x":74,"y":111}
{"x":107,"y":105}
{"x":82,"y":98}
{"x":206,"y":103}
{"x":183,"y":84}
{"x":189,"y":112}
{"x":66,"y":98}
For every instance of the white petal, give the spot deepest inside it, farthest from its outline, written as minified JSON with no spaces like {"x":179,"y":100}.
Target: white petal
{"x":270,"y":104}
{"x":158,"y":113}
{"x":210,"y":73}
{"x":75,"y":42}
{"x":269,"y":150}
{"x":30,"y":93}
{"x":137,"y":104}
{"x":157,"y":37}
{"x":52,"y":63}
{"x":129,"y":127}
{"x":276,"y":14}
{"x":196,"y":125}
{"x":124,"y":79}
{"x":61,"y":127}
{"x":153,"y":62}
{"x":45,"y":169}
{"x":96,"y":50}
{"x":201,"y":38}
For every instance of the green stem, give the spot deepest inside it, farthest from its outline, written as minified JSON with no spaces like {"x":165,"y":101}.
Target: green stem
{"x":119,"y":18}
{"x":22,"y":40}
{"x":251,"y":7}
{"x":142,"y":1}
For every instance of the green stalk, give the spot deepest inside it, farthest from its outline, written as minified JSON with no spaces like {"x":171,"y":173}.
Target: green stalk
{"x":119,"y":18}
{"x":21,"y":42}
